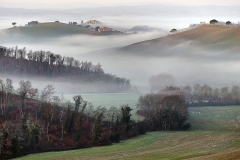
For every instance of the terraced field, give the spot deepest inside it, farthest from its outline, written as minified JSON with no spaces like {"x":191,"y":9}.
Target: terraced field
{"x":211,"y":137}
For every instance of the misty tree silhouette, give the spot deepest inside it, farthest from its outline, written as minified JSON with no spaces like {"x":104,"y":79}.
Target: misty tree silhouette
{"x":173,"y":30}
{"x":14,"y":23}
{"x":228,"y":23}
{"x":214,"y":21}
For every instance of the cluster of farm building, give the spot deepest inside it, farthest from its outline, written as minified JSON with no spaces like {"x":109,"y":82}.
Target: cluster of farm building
{"x":94,"y":22}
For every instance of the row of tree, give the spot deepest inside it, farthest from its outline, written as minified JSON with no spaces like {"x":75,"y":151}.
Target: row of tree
{"x":196,"y":95}
{"x":203,"y":95}
{"x":164,"y":111}
{"x":15,"y":61}
{"x":214,"y":21}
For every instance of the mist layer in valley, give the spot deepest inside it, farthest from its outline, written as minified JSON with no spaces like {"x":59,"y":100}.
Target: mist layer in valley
{"x":204,"y":55}
{"x":189,"y":60}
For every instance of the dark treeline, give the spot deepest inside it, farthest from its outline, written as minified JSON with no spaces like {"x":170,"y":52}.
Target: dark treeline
{"x":54,"y":124}
{"x":204,"y":95}
{"x":19,"y":62}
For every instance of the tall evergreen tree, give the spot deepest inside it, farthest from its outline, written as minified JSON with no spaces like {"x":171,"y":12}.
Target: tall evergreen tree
{"x":97,"y":131}
{"x":126,"y":118}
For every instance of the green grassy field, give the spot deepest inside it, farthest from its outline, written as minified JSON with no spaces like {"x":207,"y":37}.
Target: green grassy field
{"x":214,"y":118}
{"x":211,"y":137}
{"x":110,"y":99}
{"x":157,"y":145}
{"x":47,"y":30}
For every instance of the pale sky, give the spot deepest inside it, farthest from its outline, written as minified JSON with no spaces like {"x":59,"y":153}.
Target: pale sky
{"x":95,"y":3}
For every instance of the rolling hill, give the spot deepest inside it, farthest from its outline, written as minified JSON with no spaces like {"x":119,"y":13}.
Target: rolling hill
{"x":206,"y":55}
{"x":192,"y":42}
{"x":218,"y":38}
{"x":43,"y":30}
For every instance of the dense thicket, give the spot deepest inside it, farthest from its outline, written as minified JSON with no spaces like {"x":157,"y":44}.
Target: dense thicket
{"x":19,"y":62}
{"x":164,"y":112}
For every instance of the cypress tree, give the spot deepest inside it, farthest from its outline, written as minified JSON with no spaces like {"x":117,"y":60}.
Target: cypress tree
{"x":126,"y":118}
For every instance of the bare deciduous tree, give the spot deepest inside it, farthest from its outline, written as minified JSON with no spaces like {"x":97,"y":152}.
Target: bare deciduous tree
{"x":47,"y":93}
{"x":25,"y":87}
{"x":33,"y":92}
{"x":1,"y":85}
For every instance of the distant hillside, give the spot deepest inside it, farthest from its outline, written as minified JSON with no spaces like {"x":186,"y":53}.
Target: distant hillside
{"x":203,"y":39}
{"x":194,"y":56}
{"x":206,"y":37}
{"x":48,"y":30}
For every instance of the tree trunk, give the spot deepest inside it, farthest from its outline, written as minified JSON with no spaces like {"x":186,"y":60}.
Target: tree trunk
{"x":62,"y":125}
{"x":51,"y":116}
{"x":47,"y":131}
{"x":62,"y":132}
{"x":2,"y":107}
{"x":36,"y":113}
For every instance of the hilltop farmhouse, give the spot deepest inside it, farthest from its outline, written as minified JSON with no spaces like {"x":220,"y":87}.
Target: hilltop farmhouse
{"x":105,"y":29}
{"x":93,"y":21}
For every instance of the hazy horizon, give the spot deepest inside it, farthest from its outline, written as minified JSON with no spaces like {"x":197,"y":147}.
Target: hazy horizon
{"x":106,"y":3}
